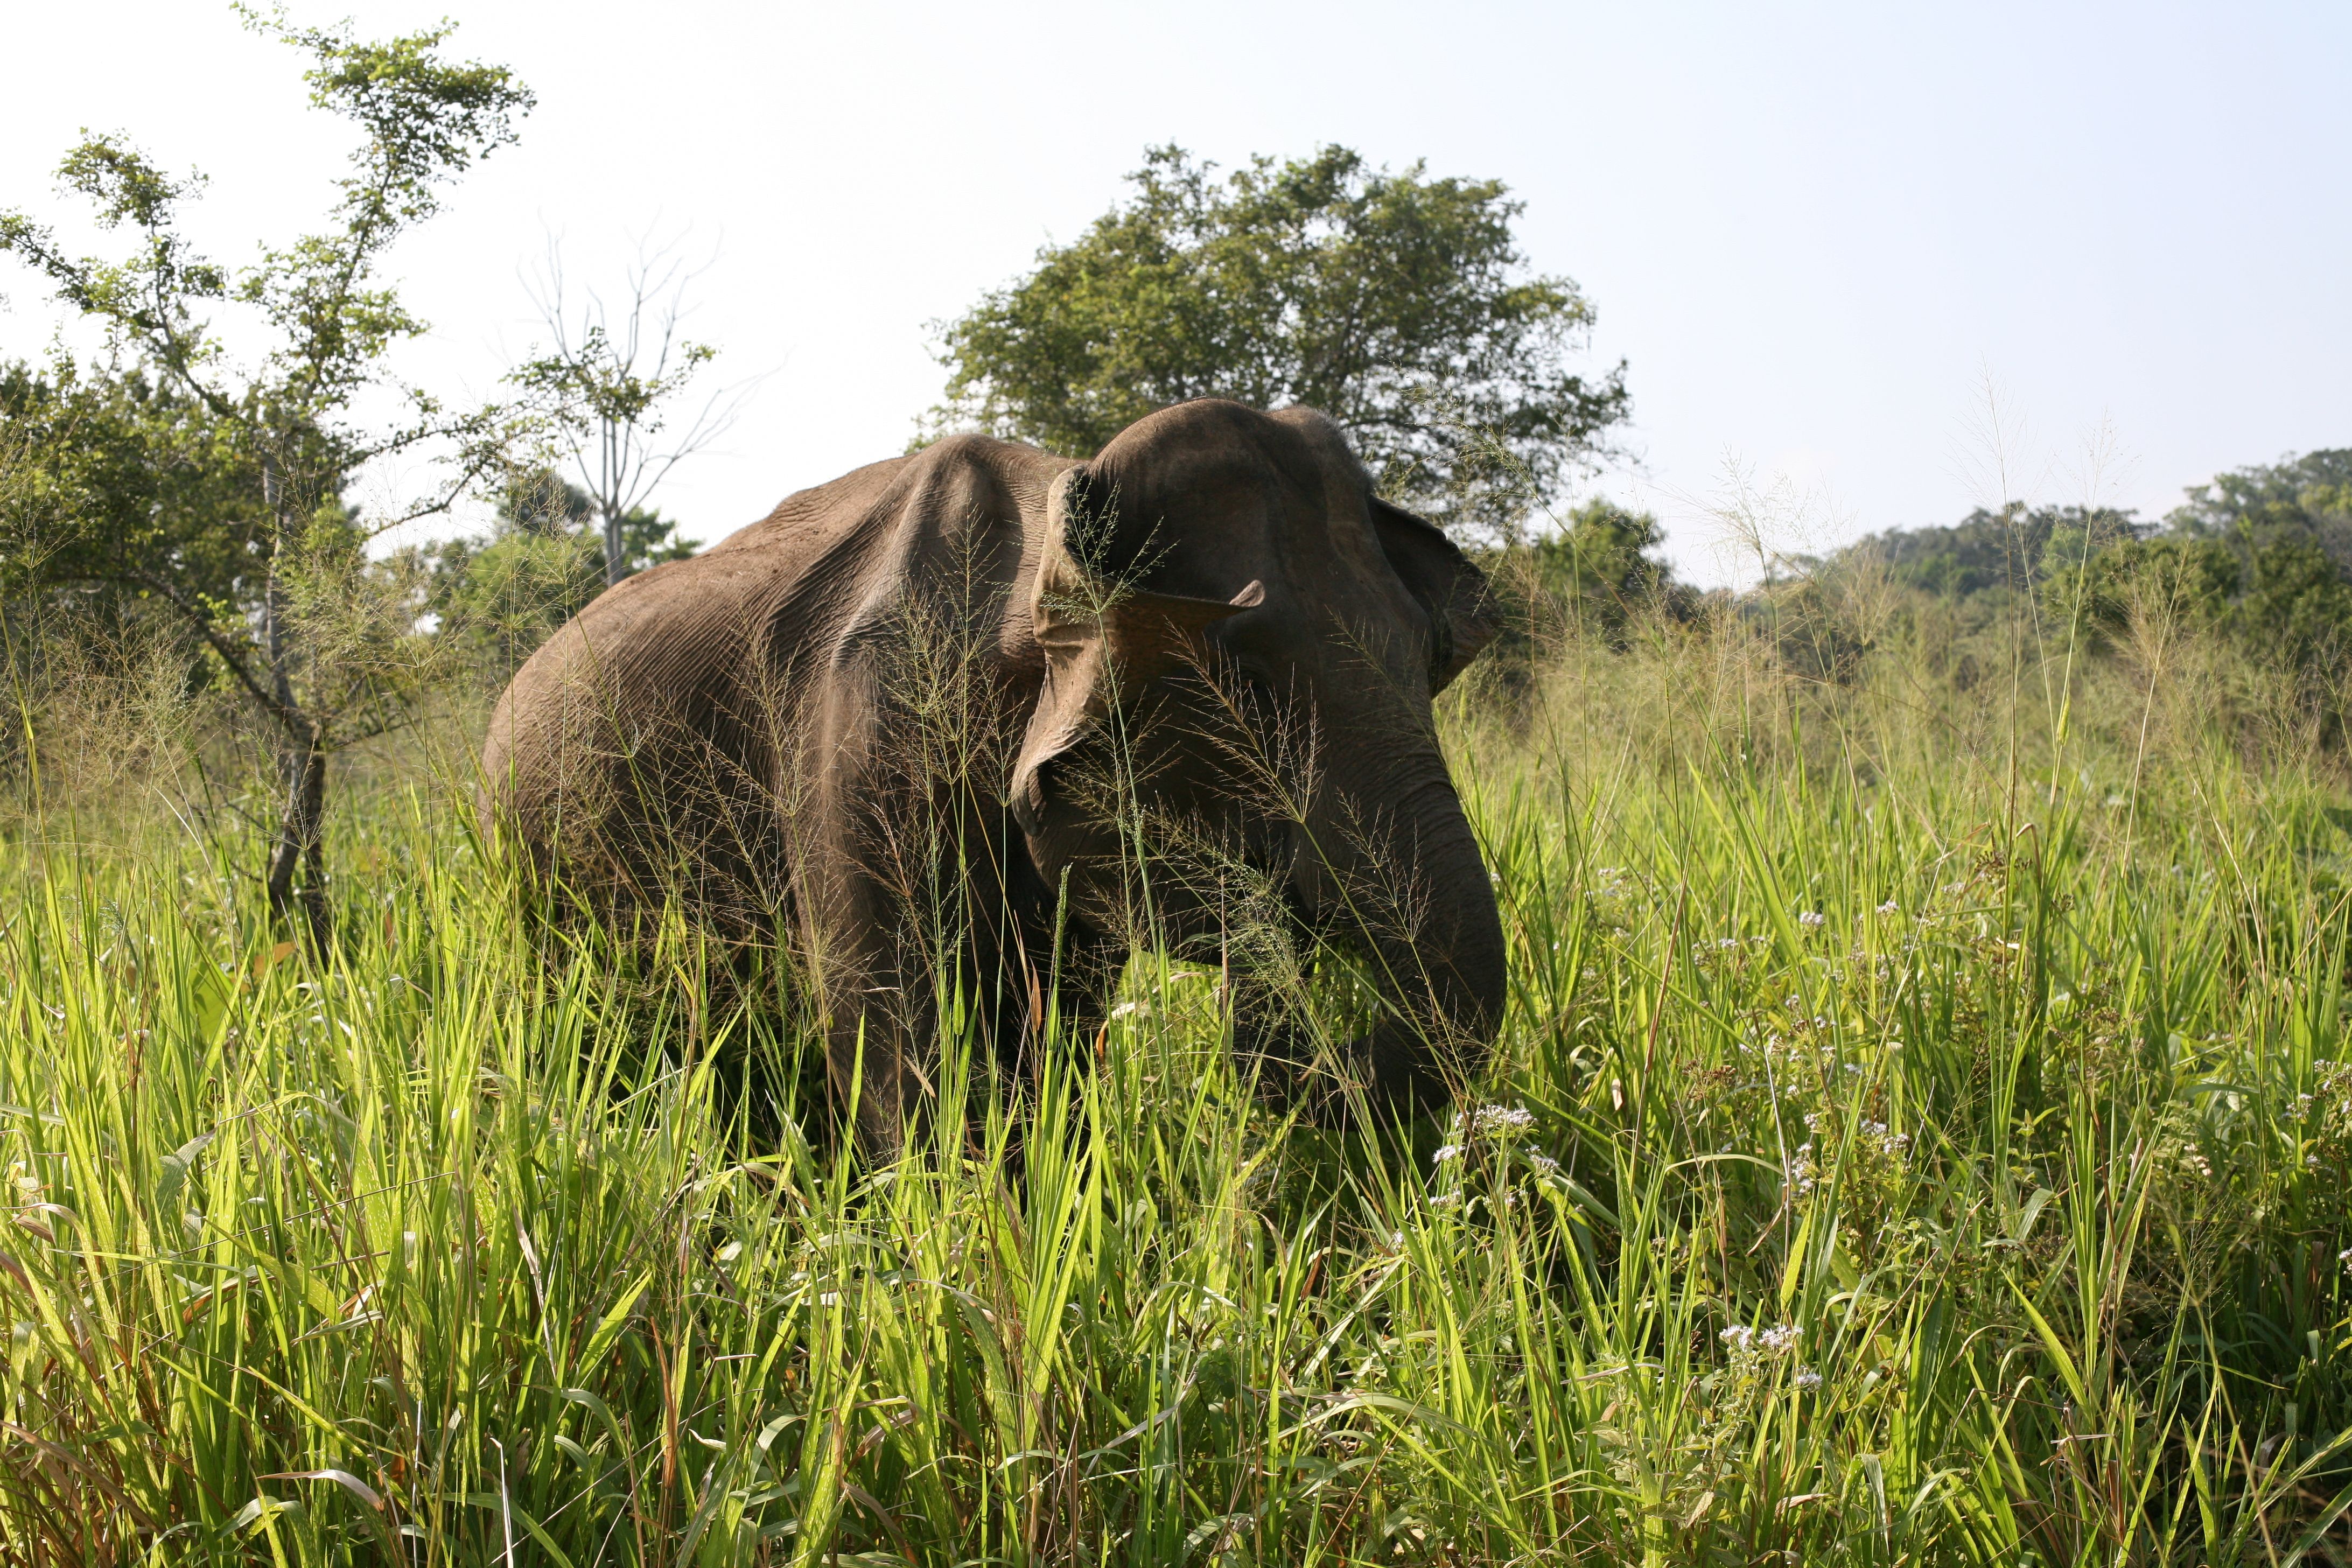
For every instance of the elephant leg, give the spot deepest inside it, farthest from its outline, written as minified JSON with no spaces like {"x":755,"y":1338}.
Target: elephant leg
{"x":1269,"y":1040}
{"x":875,"y":991}
{"x":907,"y":950}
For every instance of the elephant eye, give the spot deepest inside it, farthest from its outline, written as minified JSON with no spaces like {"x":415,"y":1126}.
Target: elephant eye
{"x":1259,"y":690}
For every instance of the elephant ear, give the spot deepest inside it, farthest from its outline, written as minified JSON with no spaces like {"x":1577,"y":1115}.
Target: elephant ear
{"x":1101,"y":637}
{"x":1452,"y":593}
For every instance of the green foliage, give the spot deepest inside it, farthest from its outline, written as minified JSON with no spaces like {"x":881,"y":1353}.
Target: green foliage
{"x":2307,"y":499}
{"x":2297,"y":602}
{"x":542,"y":563}
{"x":278,"y":440}
{"x":130,"y":482}
{"x":2183,"y":580}
{"x":1601,"y":569}
{"x":596,"y":385}
{"x":1395,"y":303}
{"x":2250,"y":553}
{"x":2008,"y":551}
{"x":2260,"y":555}
{"x":423,"y":122}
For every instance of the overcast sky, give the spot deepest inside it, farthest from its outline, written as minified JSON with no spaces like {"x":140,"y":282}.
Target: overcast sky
{"x":1813,"y":232}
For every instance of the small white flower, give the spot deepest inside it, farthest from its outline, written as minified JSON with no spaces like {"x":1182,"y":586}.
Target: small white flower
{"x":1501,"y":1121}
{"x":1813,"y":919}
{"x":1728,"y":943}
{"x":1450,"y":1151}
{"x":1808,"y":1380}
{"x":1739,"y":1337}
{"x":1890,"y":908}
{"x":1779,"y":1337}
{"x":1544,"y":1163}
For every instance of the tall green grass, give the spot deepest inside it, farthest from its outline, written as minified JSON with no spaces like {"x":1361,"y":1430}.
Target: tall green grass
{"x":1916,"y":1137}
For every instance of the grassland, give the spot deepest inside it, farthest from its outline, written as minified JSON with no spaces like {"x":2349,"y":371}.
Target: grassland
{"x":1920,"y":1134}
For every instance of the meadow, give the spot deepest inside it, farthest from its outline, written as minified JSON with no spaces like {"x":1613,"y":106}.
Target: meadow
{"x":1920,"y":1133}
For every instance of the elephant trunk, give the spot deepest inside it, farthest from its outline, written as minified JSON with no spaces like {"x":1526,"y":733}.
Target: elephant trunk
{"x":1440,"y":966}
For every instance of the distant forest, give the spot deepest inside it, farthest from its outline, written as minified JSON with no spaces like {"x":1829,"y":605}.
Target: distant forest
{"x":2263,"y":553}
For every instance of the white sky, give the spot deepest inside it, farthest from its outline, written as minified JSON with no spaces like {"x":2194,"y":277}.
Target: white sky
{"x":1813,"y":230}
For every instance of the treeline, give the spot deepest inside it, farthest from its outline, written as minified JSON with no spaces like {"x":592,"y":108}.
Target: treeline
{"x":131,"y":514}
{"x":2256,"y":563}
{"x":2261,"y":555}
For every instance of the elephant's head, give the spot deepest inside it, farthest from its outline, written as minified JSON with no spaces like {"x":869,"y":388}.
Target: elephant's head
{"x":1242,"y":643}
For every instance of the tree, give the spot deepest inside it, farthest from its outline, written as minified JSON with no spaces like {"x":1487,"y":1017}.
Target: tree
{"x":2011,"y":549}
{"x":541,"y":563}
{"x":2260,"y":554}
{"x":1396,"y":303}
{"x":300,"y":620}
{"x":609,"y":383}
{"x":2307,"y":498}
{"x":1602,"y":568}
{"x":2188,"y":581}
{"x":131,"y":473}
{"x":2298,"y":606}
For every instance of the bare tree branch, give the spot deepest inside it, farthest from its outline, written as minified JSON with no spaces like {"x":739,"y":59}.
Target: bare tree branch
{"x":611,"y":375}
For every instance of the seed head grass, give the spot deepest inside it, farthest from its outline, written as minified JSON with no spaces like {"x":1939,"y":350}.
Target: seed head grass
{"x":1918,"y":1135}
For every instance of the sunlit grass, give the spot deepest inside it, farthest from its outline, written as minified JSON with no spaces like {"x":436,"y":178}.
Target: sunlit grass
{"x":1893,"y":1155}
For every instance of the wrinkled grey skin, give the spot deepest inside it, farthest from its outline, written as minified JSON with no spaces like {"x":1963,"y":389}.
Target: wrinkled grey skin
{"x":912,"y":710}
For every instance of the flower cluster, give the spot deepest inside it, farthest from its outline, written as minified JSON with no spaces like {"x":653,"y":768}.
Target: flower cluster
{"x":1501,"y":1121}
{"x":1870,"y":1171}
{"x":1753,"y":1349}
{"x":1894,"y":1145}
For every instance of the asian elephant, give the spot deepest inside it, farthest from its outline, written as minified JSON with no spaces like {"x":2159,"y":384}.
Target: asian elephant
{"x":1014,"y":708}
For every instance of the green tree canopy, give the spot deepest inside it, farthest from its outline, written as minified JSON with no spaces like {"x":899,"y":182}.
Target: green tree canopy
{"x":2261,"y":554}
{"x":1397,"y":303}
{"x":2011,"y":549}
{"x":542,"y":561}
{"x":1602,"y":567}
{"x":2307,"y":499}
{"x":272,"y":570}
{"x":127,"y":482}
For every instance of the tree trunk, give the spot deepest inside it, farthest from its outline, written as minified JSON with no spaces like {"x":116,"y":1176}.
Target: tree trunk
{"x":301,"y":756}
{"x":301,"y":838}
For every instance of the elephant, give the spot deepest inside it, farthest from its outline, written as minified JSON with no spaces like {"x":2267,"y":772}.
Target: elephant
{"x":971,"y":721}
